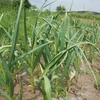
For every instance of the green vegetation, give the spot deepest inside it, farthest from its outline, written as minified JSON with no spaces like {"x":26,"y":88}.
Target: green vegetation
{"x":48,"y":42}
{"x":61,"y":9}
{"x":13,"y":3}
{"x":86,"y":15}
{"x":6,"y":3}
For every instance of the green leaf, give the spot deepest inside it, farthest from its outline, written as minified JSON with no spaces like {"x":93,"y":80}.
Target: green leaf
{"x":4,"y":94}
{"x":24,"y":55}
{"x":15,"y":35}
{"x":6,"y":32}
{"x":8,"y":77}
{"x":2,"y":48}
{"x":2,"y":82}
{"x":53,"y":99}
{"x":47,"y":88}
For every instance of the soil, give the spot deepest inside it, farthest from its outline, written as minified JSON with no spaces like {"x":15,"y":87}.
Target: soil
{"x":84,"y":89}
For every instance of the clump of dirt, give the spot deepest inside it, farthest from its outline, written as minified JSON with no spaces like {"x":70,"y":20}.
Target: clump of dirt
{"x":96,"y":65}
{"x":84,"y":89}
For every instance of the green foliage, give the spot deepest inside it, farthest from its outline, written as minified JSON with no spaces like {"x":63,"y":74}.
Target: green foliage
{"x":45,"y":45}
{"x":16,"y":3}
{"x":87,"y":15}
{"x":5,"y":3}
{"x":47,"y":10}
{"x":27,"y":4}
{"x":60,"y":9}
{"x":33,"y":7}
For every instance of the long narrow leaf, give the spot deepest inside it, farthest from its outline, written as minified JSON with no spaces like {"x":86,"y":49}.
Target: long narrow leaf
{"x":15,"y":36}
{"x":22,"y":56}
{"x":4,"y":94}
